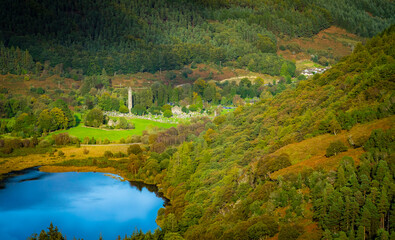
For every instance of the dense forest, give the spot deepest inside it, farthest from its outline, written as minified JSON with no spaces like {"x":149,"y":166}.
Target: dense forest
{"x":218,"y":174}
{"x":134,"y":36}
{"x":225,"y":177}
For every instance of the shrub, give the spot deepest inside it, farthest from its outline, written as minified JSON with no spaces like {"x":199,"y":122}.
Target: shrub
{"x":123,"y":109}
{"x":136,"y":139}
{"x":154,"y":110}
{"x":271,"y":164}
{"x":335,"y":148}
{"x":128,"y":139}
{"x":74,"y":140}
{"x":94,"y":118}
{"x":170,"y":75}
{"x":144,"y":139}
{"x":166,"y":107}
{"x":86,"y":140}
{"x":185,"y":109}
{"x":92,"y":141}
{"x":139,"y":110}
{"x":186,"y":72}
{"x":85,"y":151}
{"x":26,"y":143}
{"x":290,"y":232}
{"x":60,"y":153}
{"x":135,"y":149}
{"x":122,"y":140}
{"x":8,"y":150}
{"x":106,"y":141}
{"x":119,"y":155}
{"x":13,"y":143}
{"x":323,"y":61}
{"x":294,"y":47}
{"x":257,"y":231}
{"x":4,"y":90}
{"x":302,"y":77}
{"x":358,"y":141}
{"x":108,"y":154}
{"x":44,"y":143}
{"x":219,"y":119}
{"x":124,"y":124}
{"x":167,"y":113}
{"x":193,"y":108}
{"x":158,"y":147}
{"x":61,"y":139}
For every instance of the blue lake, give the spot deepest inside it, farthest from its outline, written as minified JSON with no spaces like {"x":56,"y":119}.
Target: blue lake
{"x":81,"y":205}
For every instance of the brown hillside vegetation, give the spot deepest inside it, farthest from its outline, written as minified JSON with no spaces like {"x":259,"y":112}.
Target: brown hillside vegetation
{"x":22,"y":162}
{"x":336,"y":41}
{"x":310,"y":153}
{"x":204,"y":71}
{"x":21,"y":84}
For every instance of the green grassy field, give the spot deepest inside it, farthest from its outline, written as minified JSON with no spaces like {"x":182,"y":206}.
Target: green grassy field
{"x":113,"y":135}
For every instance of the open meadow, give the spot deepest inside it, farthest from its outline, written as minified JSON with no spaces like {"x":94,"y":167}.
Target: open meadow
{"x":82,"y":131}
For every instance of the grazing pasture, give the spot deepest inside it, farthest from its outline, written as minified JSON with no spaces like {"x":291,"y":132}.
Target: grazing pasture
{"x":114,"y":135}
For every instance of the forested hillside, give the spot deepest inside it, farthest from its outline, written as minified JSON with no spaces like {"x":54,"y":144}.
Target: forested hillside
{"x":133,"y":36}
{"x":235,"y":176}
{"x":218,"y":181}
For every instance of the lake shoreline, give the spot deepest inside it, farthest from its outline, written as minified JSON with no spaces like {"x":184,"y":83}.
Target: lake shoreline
{"x":94,"y":199}
{"x":47,"y":166}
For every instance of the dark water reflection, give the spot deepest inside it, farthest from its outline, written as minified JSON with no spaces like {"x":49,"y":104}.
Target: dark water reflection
{"x":83,"y":205}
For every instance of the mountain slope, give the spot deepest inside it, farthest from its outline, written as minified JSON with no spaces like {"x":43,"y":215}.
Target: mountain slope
{"x":133,"y":36}
{"x":218,"y":184}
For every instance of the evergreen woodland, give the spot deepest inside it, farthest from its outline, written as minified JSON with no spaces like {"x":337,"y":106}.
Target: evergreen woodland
{"x":135,"y":36}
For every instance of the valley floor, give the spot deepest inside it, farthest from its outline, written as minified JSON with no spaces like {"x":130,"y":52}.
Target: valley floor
{"x":308,"y":154}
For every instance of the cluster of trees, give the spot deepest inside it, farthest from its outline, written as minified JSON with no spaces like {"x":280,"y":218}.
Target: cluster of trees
{"x":52,"y":234}
{"x":11,"y":144}
{"x":94,"y":118}
{"x":34,"y":116}
{"x":124,"y":36}
{"x":15,"y":61}
{"x":358,"y":204}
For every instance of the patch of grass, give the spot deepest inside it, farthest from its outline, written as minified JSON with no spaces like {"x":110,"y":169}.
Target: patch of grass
{"x":224,"y":111}
{"x":310,"y":153}
{"x":305,"y":64}
{"x":114,"y":135}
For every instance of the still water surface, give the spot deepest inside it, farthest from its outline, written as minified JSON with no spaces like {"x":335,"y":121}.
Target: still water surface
{"x":82,"y":205}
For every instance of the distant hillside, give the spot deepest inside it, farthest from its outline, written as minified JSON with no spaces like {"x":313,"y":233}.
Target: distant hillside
{"x":137,"y":36}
